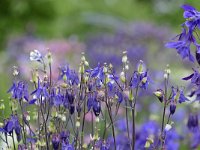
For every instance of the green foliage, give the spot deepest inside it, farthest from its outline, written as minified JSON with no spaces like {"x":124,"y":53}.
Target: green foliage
{"x":61,"y":18}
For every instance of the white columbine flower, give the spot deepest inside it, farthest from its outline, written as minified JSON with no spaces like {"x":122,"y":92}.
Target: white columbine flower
{"x":35,"y":55}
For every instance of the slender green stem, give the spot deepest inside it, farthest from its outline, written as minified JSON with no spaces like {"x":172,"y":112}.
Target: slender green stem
{"x":163,"y":116}
{"x":104,"y":132}
{"x":23,"y":119}
{"x":13,"y":141}
{"x":84,"y":113}
{"x":80,"y":94}
{"x":133,"y":118}
{"x":83,"y":124}
{"x":127,"y":123}
{"x":45,"y":126}
{"x":110,"y":114}
{"x":113,"y":127}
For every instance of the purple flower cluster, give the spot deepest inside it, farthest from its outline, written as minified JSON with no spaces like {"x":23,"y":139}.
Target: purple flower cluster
{"x":65,"y":107}
{"x":97,"y":108}
{"x":187,"y":37}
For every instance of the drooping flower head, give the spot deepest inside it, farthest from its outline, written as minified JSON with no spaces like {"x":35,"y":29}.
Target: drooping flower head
{"x":193,"y":122}
{"x":11,"y":125}
{"x":187,"y":37}
{"x":194,"y":77}
{"x":55,"y":141}
{"x":178,"y":95}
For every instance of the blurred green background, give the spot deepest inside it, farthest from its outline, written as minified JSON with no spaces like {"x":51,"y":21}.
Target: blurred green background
{"x":62,"y":18}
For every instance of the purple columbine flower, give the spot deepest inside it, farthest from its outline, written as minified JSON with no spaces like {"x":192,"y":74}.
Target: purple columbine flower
{"x":22,"y":147}
{"x":41,"y":91}
{"x":11,"y":125}
{"x":103,"y":145}
{"x":58,"y":98}
{"x":71,"y":109}
{"x":172,"y":107}
{"x":94,"y":104}
{"x":55,"y":141}
{"x":147,"y":129}
{"x":194,"y":77}
{"x":69,"y":74}
{"x":64,"y":136}
{"x":96,"y":107}
{"x":90,"y":102}
{"x":119,"y":96}
{"x":195,"y":140}
{"x":98,"y":73}
{"x":193,"y":122}
{"x":67,"y":146}
{"x":172,"y":140}
{"x":70,"y":97}
{"x":178,"y":95}
{"x":186,"y":38}
{"x":183,"y":49}
{"x":192,"y":17}
{"x":140,"y":79}
{"x":19,"y":91}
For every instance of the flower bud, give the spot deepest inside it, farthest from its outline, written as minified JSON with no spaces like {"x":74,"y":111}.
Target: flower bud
{"x":15,"y":71}
{"x":55,"y":141}
{"x":159,"y":94}
{"x":86,"y":63}
{"x":96,"y":108}
{"x":122,"y":77}
{"x":78,"y":123}
{"x":49,"y":57}
{"x":126,"y":67}
{"x":105,"y":68}
{"x":168,"y":71}
{"x":70,"y":98}
{"x":81,"y":68}
{"x":131,"y":98}
{"x":83,"y":57}
{"x":71,"y":109}
{"x":124,"y":57}
{"x":141,"y":67}
{"x":172,"y":107}
{"x":90,"y":87}
{"x":149,"y":141}
{"x":193,"y":122}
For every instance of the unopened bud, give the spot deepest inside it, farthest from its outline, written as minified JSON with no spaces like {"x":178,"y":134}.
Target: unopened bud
{"x":49,"y":57}
{"x":122,"y":77}
{"x":159,"y":94}
{"x":124,"y":57}
{"x":141,"y":67}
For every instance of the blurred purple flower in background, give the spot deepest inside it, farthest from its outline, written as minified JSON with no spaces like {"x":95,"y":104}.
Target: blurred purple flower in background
{"x":63,"y":51}
{"x":135,"y":38}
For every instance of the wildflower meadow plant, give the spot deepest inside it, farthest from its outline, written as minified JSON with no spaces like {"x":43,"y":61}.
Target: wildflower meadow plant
{"x":96,"y":108}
